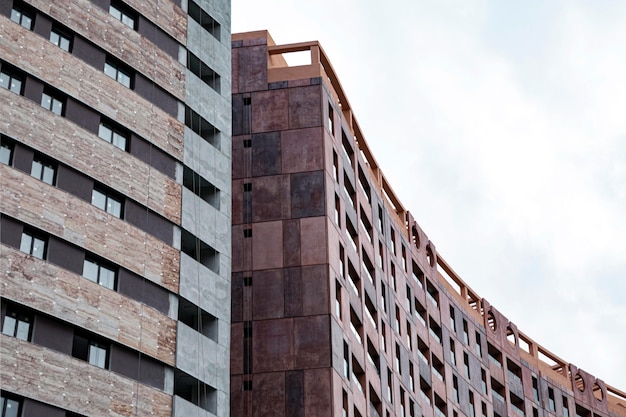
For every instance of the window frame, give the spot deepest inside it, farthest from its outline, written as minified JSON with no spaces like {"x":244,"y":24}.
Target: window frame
{"x":19,"y":8}
{"x":18,"y":316}
{"x":4,"y":402}
{"x":45,"y":167}
{"x":115,"y":134}
{"x":7,"y":147}
{"x":13,"y":75}
{"x":124,"y":14}
{"x":119,"y":72}
{"x":109,"y":196}
{"x":62,"y":35}
{"x":55,"y":99}
{"x":100,"y":266}
{"x":34,"y":237}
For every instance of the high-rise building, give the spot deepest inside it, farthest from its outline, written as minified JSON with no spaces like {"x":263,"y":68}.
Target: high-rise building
{"x":341,"y":305}
{"x":115,"y":250}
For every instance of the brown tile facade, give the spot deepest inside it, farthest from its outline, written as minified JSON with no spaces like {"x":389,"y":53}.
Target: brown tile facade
{"x":341,"y":306}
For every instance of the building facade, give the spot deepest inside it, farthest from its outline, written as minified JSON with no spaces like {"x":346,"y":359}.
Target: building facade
{"x":115,"y":197}
{"x":341,"y":305}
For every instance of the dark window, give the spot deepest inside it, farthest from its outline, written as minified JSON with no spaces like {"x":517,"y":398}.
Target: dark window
{"x":247,"y":143}
{"x":33,"y":244}
{"x":203,"y":18}
{"x":118,"y":72}
{"x":95,"y":351}
{"x":198,"y":319}
{"x":100,"y":272}
{"x":247,"y":232}
{"x":200,"y":251}
{"x":114,"y":134}
{"x":11,"y":79}
{"x":61,"y":38}
{"x":10,"y":405}
{"x":202,"y":70}
{"x":17,"y":323}
{"x":202,"y":127}
{"x":123,"y":14}
{"x":107,"y":201}
{"x":6,"y":151}
{"x":53,"y":101}
{"x":43,"y":170}
{"x":201,"y":187}
{"x":23,"y":15}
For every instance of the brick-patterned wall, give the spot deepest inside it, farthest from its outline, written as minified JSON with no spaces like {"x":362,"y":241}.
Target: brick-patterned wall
{"x":72,"y":298}
{"x":89,"y":227}
{"x":72,"y":384}
{"x":65,"y":141}
{"x":91,"y":86}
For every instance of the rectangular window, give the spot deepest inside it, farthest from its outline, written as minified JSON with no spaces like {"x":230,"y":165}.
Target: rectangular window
{"x":203,"y":71}
{"x":466,"y":364}
{"x":114,"y":134}
{"x":483,"y":381}
{"x":201,"y":187}
{"x":479,"y":348}
{"x":551,"y":399}
{"x":33,"y":244}
{"x":6,"y":151}
{"x":452,"y":320}
{"x":43,"y":170}
{"x":118,"y":72}
{"x":61,"y":39}
{"x":11,"y":80}
{"x":202,"y":127}
{"x":123,"y":14}
{"x":98,"y":272}
{"x":204,"y":19}
{"x":331,"y":125}
{"x":53,"y":101}
{"x":535,"y":389}
{"x":455,"y":388}
{"x":23,"y":15}
{"x":107,"y":201}
{"x":92,"y":350}
{"x":465,"y":333}
{"x":471,"y":401}
{"x":346,"y":360}
{"x":10,"y":406}
{"x":565,"y":407}
{"x":338,"y":299}
{"x":17,"y":324}
{"x":452,"y":352}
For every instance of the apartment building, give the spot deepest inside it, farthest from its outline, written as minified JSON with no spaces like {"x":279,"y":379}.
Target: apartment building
{"x":115,"y":201}
{"x":341,"y":305}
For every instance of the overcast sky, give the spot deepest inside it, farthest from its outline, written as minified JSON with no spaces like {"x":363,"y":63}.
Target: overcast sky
{"x":502,"y":127}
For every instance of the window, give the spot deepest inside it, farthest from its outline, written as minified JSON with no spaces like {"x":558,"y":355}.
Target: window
{"x":22,"y":15}
{"x":118,"y":72}
{"x":479,"y":348}
{"x":17,"y":324}
{"x":61,"y":39}
{"x":452,"y":321}
{"x":203,"y":71}
{"x":10,"y":406}
{"x":452,"y":353}
{"x":346,"y":360}
{"x":97,"y":272}
{"x":201,"y":187}
{"x":92,"y":350}
{"x":113,"y":134}
{"x":11,"y":80}
{"x":107,"y":201}
{"x":565,"y":407}
{"x":535,"y":389}
{"x":331,"y":125}
{"x":471,"y":401}
{"x":483,"y":381}
{"x":466,"y":364}
{"x":338,"y":299}
{"x":465,"y":332}
{"x":123,"y":14}
{"x":6,"y":151}
{"x":53,"y":101}
{"x":43,"y":170}
{"x":33,"y":244}
{"x":551,"y":399}
{"x":202,"y":127}
{"x":203,"y":18}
